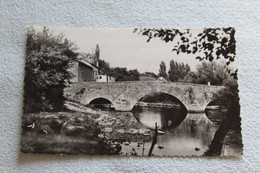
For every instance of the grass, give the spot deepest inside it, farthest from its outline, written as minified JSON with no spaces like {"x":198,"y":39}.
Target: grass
{"x":76,"y":132}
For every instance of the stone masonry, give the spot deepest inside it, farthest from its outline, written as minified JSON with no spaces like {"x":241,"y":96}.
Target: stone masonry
{"x":124,"y":95}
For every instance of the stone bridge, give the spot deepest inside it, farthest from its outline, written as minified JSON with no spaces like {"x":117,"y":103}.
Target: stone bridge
{"x":124,"y":95}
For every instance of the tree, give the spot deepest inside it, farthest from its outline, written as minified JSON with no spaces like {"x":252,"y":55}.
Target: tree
{"x":173,"y":72}
{"x":229,"y":99}
{"x":209,"y":44}
{"x":97,"y":52}
{"x":121,"y":74}
{"x":48,"y":58}
{"x":96,"y":55}
{"x":134,"y":74}
{"x":213,"y":72}
{"x":162,"y":70}
{"x":178,"y":71}
{"x":104,"y":66}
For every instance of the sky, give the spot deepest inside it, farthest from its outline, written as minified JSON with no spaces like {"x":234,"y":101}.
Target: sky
{"x":123,"y":48}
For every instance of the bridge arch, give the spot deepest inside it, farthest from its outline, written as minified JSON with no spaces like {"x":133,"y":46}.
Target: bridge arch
{"x":102,"y":103}
{"x":154,"y":94}
{"x":172,"y":115}
{"x":100,"y":100}
{"x":209,"y":101}
{"x":88,"y":99}
{"x":214,"y":112}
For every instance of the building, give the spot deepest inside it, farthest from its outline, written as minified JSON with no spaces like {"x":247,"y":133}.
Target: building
{"x":86,"y":69}
{"x":105,"y":78}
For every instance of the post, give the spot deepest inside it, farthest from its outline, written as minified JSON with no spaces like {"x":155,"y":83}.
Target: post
{"x":154,"y":142}
{"x":143,"y":148}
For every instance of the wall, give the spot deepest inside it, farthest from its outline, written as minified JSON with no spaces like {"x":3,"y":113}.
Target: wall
{"x":85,"y":73}
{"x":101,"y":78}
{"x":105,"y":78}
{"x":15,"y":15}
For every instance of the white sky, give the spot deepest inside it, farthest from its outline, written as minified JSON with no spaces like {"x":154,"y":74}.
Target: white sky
{"x":123,"y":48}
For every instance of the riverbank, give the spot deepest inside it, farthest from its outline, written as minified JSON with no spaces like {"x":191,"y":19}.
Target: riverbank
{"x":80,"y":132}
{"x":159,"y":105}
{"x":170,"y":105}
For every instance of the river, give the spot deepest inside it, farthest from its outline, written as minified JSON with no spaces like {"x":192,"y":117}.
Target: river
{"x":183,"y":134}
{"x":126,"y":133}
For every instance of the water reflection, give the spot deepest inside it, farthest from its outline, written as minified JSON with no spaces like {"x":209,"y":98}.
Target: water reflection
{"x":165,"y":117}
{"x":192,"y":136}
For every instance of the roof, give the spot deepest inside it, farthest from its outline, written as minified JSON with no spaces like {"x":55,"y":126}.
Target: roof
{"x":88,"y":64}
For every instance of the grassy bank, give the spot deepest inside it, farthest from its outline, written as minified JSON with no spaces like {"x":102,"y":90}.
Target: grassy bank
{"x":79,"y":132}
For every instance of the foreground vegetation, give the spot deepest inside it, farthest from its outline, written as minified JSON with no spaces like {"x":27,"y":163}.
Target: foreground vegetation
{"x":79,"y":133}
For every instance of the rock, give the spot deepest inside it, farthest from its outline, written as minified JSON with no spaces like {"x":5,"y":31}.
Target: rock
{"x":79,"y":120}
{"x":132,"y":131}
{"x":101,"y":136}
{"x":107,"y":130}
{"x":143,"y":131}
{"x":127,"y":143}
{"x":121,"y":131}
{"x":113,"y":119}
{"x":147,"y":132}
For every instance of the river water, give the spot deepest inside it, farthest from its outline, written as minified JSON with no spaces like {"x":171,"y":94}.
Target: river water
{"x":183,"y":134}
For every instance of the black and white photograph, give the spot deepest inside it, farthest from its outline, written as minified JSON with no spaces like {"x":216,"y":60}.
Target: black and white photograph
{"x":131,"y":92}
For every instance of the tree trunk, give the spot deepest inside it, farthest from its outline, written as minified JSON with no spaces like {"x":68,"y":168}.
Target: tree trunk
{"x":217,"y":142}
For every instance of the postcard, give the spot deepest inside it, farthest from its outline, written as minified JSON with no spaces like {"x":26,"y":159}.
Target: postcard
{"x":131,"y":92}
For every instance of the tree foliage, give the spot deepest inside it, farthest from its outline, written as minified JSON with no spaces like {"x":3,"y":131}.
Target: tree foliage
{"x":121,"y":74}
{"x":209,"y":44}
{"x":178,"y":71}
{"x":104,"y":66}
{"x":48,"y":58}
{"x":213,"y":72}
{"x":162,"y":70}
{"x":97,"y":52}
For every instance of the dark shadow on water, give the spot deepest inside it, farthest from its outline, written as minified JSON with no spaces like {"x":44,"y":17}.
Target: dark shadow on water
{"x":169,"y":117}
{"x":172,"y":109}
{"x":101,"y":104}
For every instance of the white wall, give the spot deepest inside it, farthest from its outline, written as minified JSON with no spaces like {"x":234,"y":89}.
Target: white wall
{"x":15,"y":15}
{"x":101,"y":78}
{"x":105,"y":78}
